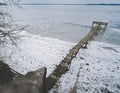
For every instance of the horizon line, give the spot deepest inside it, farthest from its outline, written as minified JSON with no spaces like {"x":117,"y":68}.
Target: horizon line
{"x":104,"y":4}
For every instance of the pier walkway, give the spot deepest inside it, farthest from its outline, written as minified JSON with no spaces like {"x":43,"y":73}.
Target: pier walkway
{"x":65,"y":63}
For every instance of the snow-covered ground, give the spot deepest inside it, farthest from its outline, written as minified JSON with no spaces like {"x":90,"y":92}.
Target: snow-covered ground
{"x":98,"y":66}
{"x":34,"y":52}
{"x":94,"y":70}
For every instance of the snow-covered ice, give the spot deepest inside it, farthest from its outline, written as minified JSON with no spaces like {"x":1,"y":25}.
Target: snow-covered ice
{"x":99,"y":70}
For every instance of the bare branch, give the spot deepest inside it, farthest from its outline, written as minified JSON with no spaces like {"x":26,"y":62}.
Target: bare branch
{"x":8,"y":29}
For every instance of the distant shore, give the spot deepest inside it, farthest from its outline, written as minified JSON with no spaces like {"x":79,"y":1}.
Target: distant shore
{"x":100,"y":4}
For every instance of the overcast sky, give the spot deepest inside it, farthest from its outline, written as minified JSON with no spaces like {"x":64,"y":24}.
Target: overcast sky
{"x":70,"y":1}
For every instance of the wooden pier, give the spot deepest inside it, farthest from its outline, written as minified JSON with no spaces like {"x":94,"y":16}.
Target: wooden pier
{"x":36,"y":82}
{"x":65,"y":63}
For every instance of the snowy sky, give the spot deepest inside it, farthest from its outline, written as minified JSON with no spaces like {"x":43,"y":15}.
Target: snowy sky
{"x":70,"y":1}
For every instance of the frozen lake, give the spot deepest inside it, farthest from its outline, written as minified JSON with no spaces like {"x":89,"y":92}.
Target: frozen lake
{"x":69,"y":22}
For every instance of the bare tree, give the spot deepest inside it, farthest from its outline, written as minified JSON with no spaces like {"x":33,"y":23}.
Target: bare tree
{"x":8,"y":29}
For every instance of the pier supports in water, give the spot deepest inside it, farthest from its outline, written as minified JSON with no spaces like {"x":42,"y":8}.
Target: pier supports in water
{"x":100,"y":24}
{"x":65,"y":63}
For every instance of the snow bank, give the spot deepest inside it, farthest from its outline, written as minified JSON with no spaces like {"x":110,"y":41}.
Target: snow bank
{"x":34,"y":52}
{"x":100,"y":70}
